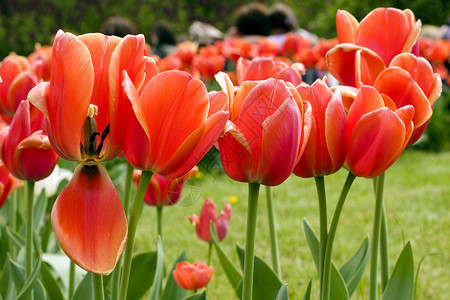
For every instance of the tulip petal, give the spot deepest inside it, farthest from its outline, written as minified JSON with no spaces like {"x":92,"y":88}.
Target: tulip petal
{"x":346,"y":26}
{"x":227,"y":86}
{"x":218,"y":101}
{"x":89,"y":220}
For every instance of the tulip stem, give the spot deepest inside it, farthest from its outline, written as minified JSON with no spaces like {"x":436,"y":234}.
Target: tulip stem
{"x":373,"y":280}
{"x":273,"y":233}
{"x":29,"y":229}
{"x":384,"y":251}
{"x":128,"y":182}
{"x":71,"y":279}
{"x":247,"y":287}
{"x":321,"y":196}
{"x":330,"y":239}
{"x":132,"y":225}
{"x":159,"y":216}
{"x":210,"y":253}
{"x":97,"y":281}
{"x":12,"y":202}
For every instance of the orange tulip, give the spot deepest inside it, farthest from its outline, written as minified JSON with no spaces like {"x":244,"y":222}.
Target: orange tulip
{"x":89,"y":220}
{"x":40,"y":61}
{"x":267,"y":132}
{"x":192,"y":276}
{"x":86,"y":71}
{"x":27,"y":154}
{"x":377,"y":132}
{"x":325,"y":150}
{"x":162,"y":191}
{"x":174,"y":125}
{"x":208,"y":63}
{"x":8,"y":183}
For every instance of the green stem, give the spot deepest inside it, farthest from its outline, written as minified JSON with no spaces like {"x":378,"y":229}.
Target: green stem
{"x":71,"y":279}
{"x":321,"y":196}
{"x":12,"y":202}
{"x":273,"y":233}
{"x":373,"y":280}
{"x":384,"y":251}
{"x":210,"y":253}
{"x":128,"y":183}
{"x":159,"y":216}
{"x":97,"y":281}
{"x":29,"y":229}
{"x":132,"y":225}
{"x":247,"y":287}
{"x":331,"y":235}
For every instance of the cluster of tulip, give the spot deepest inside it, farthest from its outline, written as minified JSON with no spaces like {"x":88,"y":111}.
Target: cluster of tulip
{"x":95,"y":97}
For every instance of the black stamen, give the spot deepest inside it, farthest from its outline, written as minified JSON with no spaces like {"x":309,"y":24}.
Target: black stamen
{"x":93,"y":136}
{"x":105,"y":133}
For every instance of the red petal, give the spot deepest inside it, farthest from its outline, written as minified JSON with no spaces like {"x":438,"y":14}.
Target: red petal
{"x":89,"y":221}
{"x":346,"y":26}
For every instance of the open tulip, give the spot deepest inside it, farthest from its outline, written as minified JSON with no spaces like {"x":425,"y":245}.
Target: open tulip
{"x":28,"y":155}
{"x":192,"y":276}
{"x":89,"y":220}
{"x":377,"y":133}
{"x":267,"y":132}
{"x":162,"y":191}
{"x":325,"y":150}
{"x":174,"y":125}
{"x":207,"y":215}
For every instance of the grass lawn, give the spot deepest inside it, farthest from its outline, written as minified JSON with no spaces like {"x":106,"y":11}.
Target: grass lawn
{"x":417,"y":194}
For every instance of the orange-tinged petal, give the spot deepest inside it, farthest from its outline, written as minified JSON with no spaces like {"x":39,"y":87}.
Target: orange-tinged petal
{"x":89,"y":220}
{"x":346,"y":26}
{"x":241,"y":69}
{"x":217,"y":101}
{"x":348,"y":94}
{"x":18,"y":90}
{"x":403,"y":90}
{"x":38,"y":96}
{"x":71,"y":84}
{"x":235,"y":107}
{"x":375,"y":142}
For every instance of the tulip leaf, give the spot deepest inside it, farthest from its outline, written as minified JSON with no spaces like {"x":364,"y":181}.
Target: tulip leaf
{"x":6,"y":282}
{"x":353,"y":270}
{"x":30,"y":282}
{"x":156,"y":287}
{"x":51,"y":284}
{"x":198,"y":296}
{"x":338,"y":288}
{"x":142,"y":274}
{"x":85,"y":289}
{"x":232,"y":273}
{"x":172,"y":290}
{"x":4,"y":247}
{"x":307,"y":295}
{"x":282,"y":293}
{"x":15,"y":238}
{"x":266,"y":283}
{"x":40,"y":208}
{"x":401,"y":283}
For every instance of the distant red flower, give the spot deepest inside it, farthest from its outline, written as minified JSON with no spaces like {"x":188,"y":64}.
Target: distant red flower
{"x":192,"y":276}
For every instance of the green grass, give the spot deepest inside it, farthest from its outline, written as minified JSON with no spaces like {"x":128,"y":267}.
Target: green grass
{"x":417,"y":194}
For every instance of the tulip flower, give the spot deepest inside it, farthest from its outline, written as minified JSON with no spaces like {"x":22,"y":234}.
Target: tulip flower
{"x":174,"y":125}
{"x":268,"y":129}
{"x":207,"y":215}
{"x":376,"y":134}
{"x":17,"y":80}
{"x":192,"y":276}
{"x":162,"y":191}
{"x":208,"y":63}
{"x":40,"y":61}
{"x":326,"y":147}
{"x":28,"y":155}
{"x":8,"y":183}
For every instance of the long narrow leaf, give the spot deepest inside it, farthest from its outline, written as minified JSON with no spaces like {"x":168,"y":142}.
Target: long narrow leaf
{"x":142,"y":274}
{"x":159,"y":272}
{"x":282,"y":293}
{"x":85,"y":289}
{"x":307,"y":295}
{"x":353,"y":269}
{"x":401,"y":283}
{"x":51,"y":284}
{"x":28,"y":286}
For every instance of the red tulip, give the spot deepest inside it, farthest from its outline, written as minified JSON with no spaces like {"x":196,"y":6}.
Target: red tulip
{"x":376,"y":135}
{"x":162,"y":191}
{"x":207,"y":215}
{"x":8,"y":183}
{"x":267,"y":132}
{"x":40,"y":61}
{"x":208,"y":63}
{"x":192,"y":276}
{"x":27,"y":154}
{"x":325,"y":150}
{"x":17,"y":79}
{"x":89,"y":221}
{"x":174,"y":125}
{"x":87,"y":71}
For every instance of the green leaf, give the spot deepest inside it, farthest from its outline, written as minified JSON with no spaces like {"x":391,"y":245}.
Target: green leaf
{"x":198,"y":296}
{"x":4,"y":246}
{"x":30,"y":283}
{"x":307,"y":295}
{"x":338,"y":288}
{"x":142,"y":274}
{"x":282,"y":293}
{"x":17,"y":274}
{"x":232,"y":273}
{"x":416,"y":281}
{"x":266,"y":283}
{"x":401,"y":283}
{"x":51,"y":284}
{"x":6,"y":281}
{"x":353,"y":270}
{"x":172,"y":290}
{"x":85,"y":289}
{"x":40,"y":208}
{"x":159,"y":272}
